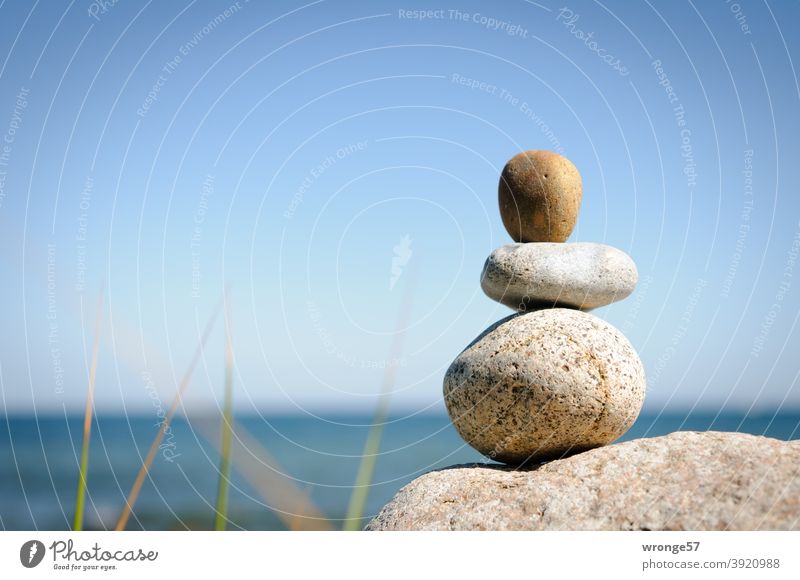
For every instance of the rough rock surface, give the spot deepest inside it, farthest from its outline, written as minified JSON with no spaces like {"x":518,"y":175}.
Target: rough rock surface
{"x":540,"y":196}
{"x":683,"y":481}
{"x":580,"y":275}
{"x":544,"y":384}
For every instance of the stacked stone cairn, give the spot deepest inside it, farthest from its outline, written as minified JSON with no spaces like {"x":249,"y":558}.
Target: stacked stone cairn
{"x":550,"y":380}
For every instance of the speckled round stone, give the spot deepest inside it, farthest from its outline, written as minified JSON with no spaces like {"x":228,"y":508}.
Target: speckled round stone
{"x":581,"y":275}
{"x":540,"y":196}
{"x":543,"y":385}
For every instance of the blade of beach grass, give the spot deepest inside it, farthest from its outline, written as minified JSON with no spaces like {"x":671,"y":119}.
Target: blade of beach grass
{"x":296,"y":523}
{"x":221,"y":515}
{"x":262,"y":471}
{"x":151,"y":454}
{"x":366,"y":468}
{"x":80,"y":499}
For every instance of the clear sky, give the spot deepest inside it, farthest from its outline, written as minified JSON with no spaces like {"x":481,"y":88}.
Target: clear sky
{"x":328,"y":159}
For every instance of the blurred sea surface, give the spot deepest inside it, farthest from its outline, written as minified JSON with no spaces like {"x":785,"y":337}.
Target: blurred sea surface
{"x":317,"y":457}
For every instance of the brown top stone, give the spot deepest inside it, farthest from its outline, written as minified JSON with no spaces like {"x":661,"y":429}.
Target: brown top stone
{"x":540,"y":196}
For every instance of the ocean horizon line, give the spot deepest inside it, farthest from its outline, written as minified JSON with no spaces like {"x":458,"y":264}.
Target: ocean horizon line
{"x":399,"y":414}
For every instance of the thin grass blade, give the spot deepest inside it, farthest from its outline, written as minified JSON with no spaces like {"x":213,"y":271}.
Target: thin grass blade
{"x":264,"y":473}
{"x":366,"y":468}
{"x":221,"y":515}
{"x":130,"y":501}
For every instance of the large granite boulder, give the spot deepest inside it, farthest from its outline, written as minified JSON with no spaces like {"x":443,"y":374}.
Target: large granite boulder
{"x":682,"y":481}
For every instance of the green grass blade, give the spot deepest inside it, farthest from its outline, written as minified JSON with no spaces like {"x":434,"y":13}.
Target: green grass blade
{"x":292,"y":505}
{"x":80,"y":498}
{"x":221,"y":515}
{"x":366,"y":469}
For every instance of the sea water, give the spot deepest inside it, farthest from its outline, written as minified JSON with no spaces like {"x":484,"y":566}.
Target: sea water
{"x":319,"y":456}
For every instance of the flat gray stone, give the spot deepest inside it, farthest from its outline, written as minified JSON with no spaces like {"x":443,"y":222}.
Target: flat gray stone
{"x":579,"y":275}
{"x":544,"y":384}
{"x":683,"y":481}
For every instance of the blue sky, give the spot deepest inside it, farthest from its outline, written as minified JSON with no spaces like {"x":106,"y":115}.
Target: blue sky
{"x":164,"y":150}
